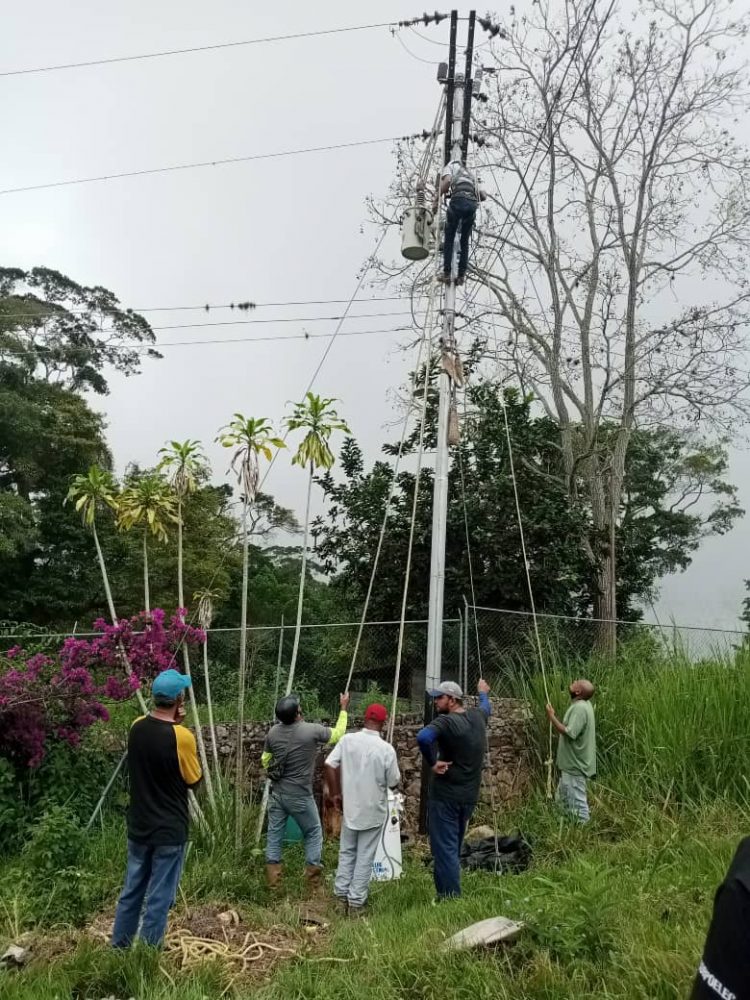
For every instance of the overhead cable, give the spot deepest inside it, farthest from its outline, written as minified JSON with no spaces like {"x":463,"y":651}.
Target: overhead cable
{"x":110,"y":60}
{"x":207,"y":163}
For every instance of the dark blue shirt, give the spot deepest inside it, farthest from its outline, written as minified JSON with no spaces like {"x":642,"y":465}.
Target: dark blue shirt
{"x":461,"y":738}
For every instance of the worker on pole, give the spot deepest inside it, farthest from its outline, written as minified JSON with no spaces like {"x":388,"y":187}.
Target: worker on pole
{"x":464,"y":193}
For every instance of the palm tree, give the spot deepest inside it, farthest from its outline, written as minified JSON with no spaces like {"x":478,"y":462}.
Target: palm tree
{"x":205,"y":599}
{"x":186,"y":463}
{"x":316,"y":416}
{"x":91,"y":492}
{"x":147,"y":502}
{"x":251,"y":439}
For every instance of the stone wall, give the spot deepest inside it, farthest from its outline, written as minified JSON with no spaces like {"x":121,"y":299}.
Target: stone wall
{"x":508,"y":774}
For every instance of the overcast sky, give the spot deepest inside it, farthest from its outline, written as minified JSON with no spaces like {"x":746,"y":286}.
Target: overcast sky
{"x":280,"y":230}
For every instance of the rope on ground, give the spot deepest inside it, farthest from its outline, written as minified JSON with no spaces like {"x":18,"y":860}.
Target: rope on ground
{"x":190,"y":950}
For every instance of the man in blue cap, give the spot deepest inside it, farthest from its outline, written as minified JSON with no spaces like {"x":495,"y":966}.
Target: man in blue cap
{"x":163,"y":765}
{"x":454,"y":745}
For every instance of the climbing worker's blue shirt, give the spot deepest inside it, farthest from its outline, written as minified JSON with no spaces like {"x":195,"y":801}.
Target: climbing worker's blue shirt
{"x":461,"y":738}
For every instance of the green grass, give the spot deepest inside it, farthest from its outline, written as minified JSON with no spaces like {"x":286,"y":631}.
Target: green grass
{"x":615,"y":910}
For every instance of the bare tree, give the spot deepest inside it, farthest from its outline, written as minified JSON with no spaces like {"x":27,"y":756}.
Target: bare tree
{"x":614,"y":251}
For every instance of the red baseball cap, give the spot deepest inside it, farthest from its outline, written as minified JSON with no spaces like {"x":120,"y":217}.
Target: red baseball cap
{"x":377,"y":713}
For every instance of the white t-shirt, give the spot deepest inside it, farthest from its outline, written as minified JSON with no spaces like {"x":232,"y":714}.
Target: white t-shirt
{"x":368,"y":769}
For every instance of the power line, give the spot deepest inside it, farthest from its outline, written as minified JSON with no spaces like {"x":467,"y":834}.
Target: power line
{"x":207,"y":163}
{"x":240,"y":306}
{"x":283,"y":319}
{"x":157,"y":345}
{"x":193,"y":49}
{"x":255,"y":322}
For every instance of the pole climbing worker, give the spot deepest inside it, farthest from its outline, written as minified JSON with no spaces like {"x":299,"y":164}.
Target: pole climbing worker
{"x":576,"y":751}
{"x":724,"y":969}
{"x":463,"y":191}
{"x":163,"y":765}
{"x":363,"y":766}
{"x":289,"y":759}
{"x":454,"y":745}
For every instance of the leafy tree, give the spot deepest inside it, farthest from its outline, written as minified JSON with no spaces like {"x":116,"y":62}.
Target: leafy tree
{"x":60,"y":332}
{"x":146,"y":502}
{"x":675,"y":494}
{"x":251,"y":438}
{"x":617,"y":267}
{"x":90,"y":493}
{"x":56,"y":337}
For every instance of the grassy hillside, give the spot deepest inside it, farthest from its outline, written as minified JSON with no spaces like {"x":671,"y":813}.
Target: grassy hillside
{"x":615,"y":910}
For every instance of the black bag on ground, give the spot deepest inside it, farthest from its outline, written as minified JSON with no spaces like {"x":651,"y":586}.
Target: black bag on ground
{"x":502,"y":855}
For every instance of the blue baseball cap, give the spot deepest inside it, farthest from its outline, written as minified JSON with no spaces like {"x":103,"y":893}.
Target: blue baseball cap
{"x":170,"y":684}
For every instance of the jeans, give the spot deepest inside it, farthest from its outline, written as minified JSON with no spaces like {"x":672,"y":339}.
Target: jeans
{"x":447,"y":823}
{"x":571,"y":795}
{"x":356,"y":855}
{"x":304,"y":812}
{"x":461,"y":211}
{"x":153,"y":874}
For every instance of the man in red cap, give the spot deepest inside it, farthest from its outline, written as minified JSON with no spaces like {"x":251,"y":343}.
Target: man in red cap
{"x":361,"y":767}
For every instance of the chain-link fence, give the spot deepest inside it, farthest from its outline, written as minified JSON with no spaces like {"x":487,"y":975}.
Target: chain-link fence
{"x":500,"y":641}
{"x":481,"y":641}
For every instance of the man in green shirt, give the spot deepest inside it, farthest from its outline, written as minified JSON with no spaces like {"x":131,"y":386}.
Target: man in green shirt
{"x":576,"y":751}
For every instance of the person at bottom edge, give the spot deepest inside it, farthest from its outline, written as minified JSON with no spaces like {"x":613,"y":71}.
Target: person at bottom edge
{"x":724,"y":970}
{"x":361,"y":768}
{"x":163,"y":765}
{"x":454,"y":745}
{"x":289,"y":756}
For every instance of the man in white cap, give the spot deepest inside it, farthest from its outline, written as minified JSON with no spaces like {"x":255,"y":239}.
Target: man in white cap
{"x":454,"y":745}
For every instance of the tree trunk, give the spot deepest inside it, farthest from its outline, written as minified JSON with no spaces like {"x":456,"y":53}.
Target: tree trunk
{"x":113,"y":614}
{"x":200,"y":742}
{"x":241,"y":685}
{"x":146,"y":590}
{"x":105,"y":578}
{"x":211,"y":726}
{"x":301,"y":597}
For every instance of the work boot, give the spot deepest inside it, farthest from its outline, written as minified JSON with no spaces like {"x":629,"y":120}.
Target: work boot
{"x":273,"y":876}
{"x":444,"y":277}
{"x":460,"y":279}
{"x":314,"y":879}
{"x":357,"y":912}
{"x":342,"y":905}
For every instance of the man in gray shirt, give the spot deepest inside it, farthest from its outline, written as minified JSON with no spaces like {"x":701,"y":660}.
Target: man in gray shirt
{"x":289,"y":756}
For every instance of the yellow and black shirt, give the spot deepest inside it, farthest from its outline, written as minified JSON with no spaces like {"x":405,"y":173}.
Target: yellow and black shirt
{"x":163,"y":765}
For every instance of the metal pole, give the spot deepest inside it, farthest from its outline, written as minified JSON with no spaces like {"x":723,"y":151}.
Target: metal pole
{"x":442,"y":459}
{"x":278,"y":666}
{"x":469,"y":85}
{"x":106,"y":791}
{"x":457,"y":91}
{"x":466,"y":644}
{"x":460,"y":647}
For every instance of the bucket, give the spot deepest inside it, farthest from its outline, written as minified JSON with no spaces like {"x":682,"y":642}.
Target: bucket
{"x":292,"y":834}
{"x":387,"y":864}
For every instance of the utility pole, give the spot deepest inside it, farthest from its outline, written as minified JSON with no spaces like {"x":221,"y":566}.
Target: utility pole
{"x":458,"y":93}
